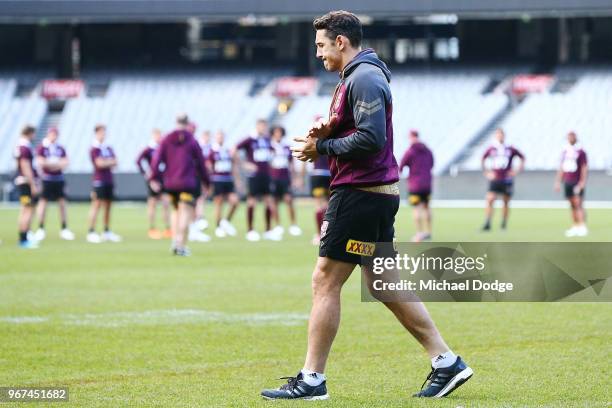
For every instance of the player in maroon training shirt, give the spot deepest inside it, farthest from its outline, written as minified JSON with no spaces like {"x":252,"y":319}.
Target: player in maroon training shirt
{"x":143,"y":161}
{"x":26,"y":185}
{"x":320,"y":178}
{"x":282,"y":173}
{"x":223,"y":169}
{"x":104,"y":161}
{"x":497,"y":166}
{"x":258,"y":153}
{"x":358,"y":142}
{"x":573,"y":172}
{"x":420,"y":161}
{"x":184,"y":169}
{"x":52,"y":160}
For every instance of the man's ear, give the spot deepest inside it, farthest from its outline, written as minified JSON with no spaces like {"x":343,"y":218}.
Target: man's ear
{"x":340,"y":42}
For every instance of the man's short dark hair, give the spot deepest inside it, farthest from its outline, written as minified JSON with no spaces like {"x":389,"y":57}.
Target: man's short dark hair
{"x":341,"y":23}
{"x":28,"y":130}
{"x":182,"y":119}
{"x":280,"y":128}
{"x":99,"y":127}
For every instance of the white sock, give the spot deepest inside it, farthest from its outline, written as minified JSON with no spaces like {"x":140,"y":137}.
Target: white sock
{"x":311,"y":378}
{"x":444,"y":360}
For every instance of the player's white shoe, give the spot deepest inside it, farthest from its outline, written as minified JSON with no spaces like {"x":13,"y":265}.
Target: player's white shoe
{"x":93,"y":238}
{"x":253,"y":236}
{"x":39,"y":235}
{"x":195,"y":235}
{"x":295,"y":231}
{"x":228,"y":228}
{"x":220,"y":232}
{"x":110,"y":236}
{"x":278,"y":230}
{"x":67,"y":235}
{"x":582,"y":231}
{"x":201,"y":224}
{"x":198,"y":236}
{"x":572,"y":232}
{"x":272,"y":235}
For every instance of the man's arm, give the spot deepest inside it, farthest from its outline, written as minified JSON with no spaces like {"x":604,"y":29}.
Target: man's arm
{"x":559,"y":177}
{"x":139,"y":161}
{"x":367,"y":97}
{"x":200,"y":162}
{"x":28,"y":173}
{"x":521,"y":167}
{"x":584,"y":171}
{"x":159,"y":156}
{"x":405,"y":160}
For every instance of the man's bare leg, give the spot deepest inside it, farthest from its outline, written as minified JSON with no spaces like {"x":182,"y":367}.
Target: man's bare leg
{"x":490,"y":199}
{"x":93,"y":214}
{"x":186,"y":213}
{"x":505,"y":211}
{"x":327,"y":280}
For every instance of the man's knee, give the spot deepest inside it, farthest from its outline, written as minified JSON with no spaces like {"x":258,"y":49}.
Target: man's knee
{"x":329,"y":276}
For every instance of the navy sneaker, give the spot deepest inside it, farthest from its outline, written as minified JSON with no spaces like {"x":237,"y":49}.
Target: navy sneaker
{"x":443,"y":381}
{"x":296,"y":388}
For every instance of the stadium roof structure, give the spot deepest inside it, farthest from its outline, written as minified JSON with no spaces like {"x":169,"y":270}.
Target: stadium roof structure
{"x":273,"y":11}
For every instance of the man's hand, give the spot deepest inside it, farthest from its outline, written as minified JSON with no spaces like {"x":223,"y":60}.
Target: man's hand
{"x":557,"y":186}
{"x":155,"y":186}
{"x":322,"y":130}
{"x":249,"y":167}
{"x":578,"y":189}
{"x":307,"y":151}
{"x":490,"y":175}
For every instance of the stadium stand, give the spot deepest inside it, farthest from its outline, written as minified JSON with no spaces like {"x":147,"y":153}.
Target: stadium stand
{"x":135,"y":104}
{"x":15,"y":112}
{"x":540,"y":124}
{"x":448,"y":106}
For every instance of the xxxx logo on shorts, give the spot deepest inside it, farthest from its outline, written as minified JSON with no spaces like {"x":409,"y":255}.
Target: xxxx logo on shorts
{"x":360,"y":248}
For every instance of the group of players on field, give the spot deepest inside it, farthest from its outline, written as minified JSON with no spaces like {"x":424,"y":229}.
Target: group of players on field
{"x":270,"y":175}
{"x":179,"y":170}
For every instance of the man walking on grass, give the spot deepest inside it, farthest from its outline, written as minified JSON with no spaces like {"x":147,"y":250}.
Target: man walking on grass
{"x":358,"y":140}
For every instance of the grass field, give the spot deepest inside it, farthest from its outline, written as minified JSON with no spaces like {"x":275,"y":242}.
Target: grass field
{"x":129,"y":325}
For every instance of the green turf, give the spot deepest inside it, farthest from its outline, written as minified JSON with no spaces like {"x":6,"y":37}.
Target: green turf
{"x":129,"y":325}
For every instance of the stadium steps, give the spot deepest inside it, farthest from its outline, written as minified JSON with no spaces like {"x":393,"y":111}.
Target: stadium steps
{"x":481,"y":138}
{"x":51,"y":119}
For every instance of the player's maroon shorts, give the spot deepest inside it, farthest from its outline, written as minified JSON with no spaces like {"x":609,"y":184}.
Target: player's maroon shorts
{"x":354,"y":221}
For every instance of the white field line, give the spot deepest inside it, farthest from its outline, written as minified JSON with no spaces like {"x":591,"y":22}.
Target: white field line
{"x":163,"y":317}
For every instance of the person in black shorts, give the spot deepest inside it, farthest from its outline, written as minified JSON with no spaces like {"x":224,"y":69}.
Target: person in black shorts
{"x":319,"y":189}
{"x":52,"y":161}
{"x":497,"y":165}
{"x":26,"y":183}
{"x":573,"y":173}
{"x":358,"y":141}
{"x":223,"y":168}
{"x":183,"y":169}
{"x":282,"y":173}
{"x":419,"y":160}
{"x":143,"y":162}
{"x":257,"y":150}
